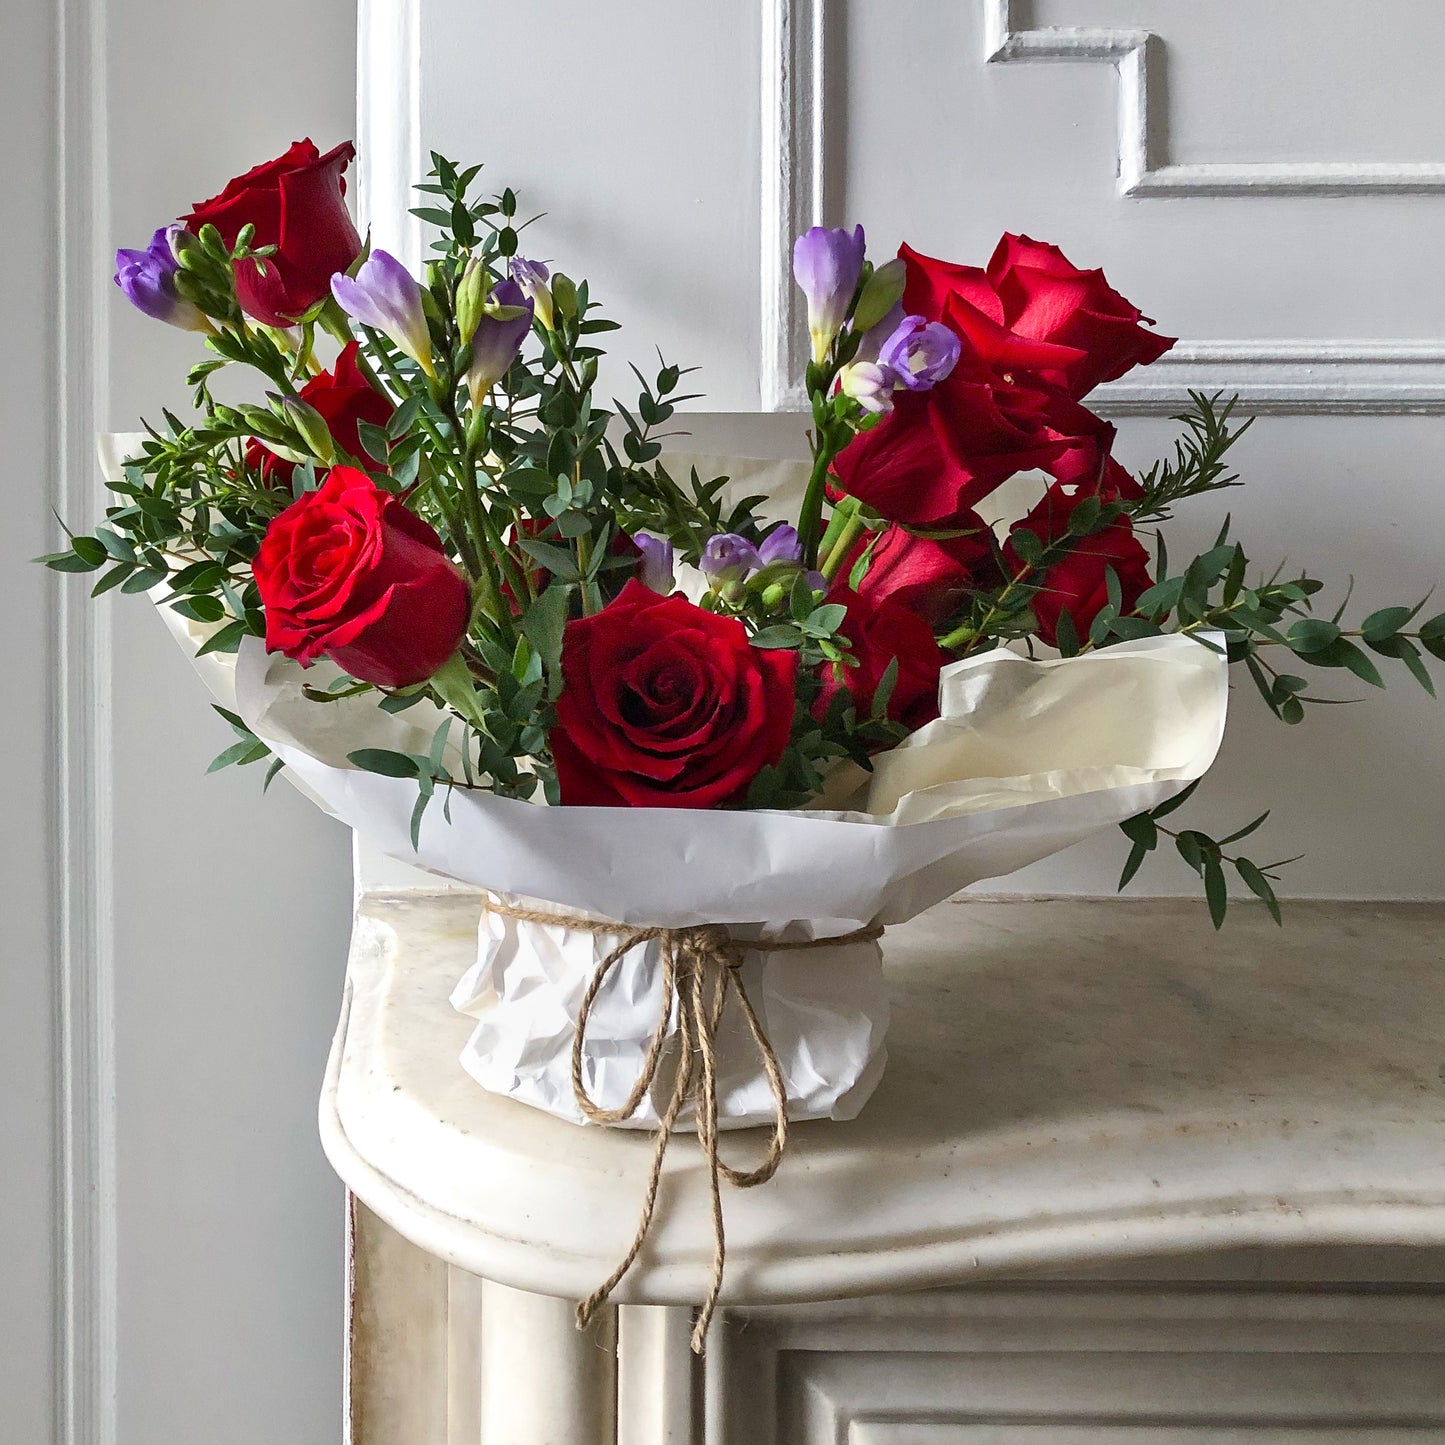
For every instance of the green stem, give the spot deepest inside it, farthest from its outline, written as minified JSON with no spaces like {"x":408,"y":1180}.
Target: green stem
{"x":811,"y":516}
{"x":966,"y":634}
{"x":835,"y":552}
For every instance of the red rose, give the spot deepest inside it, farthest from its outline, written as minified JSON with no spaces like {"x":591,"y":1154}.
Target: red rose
{"x":941,"y":452}
{"x":344,"y":398}
{"x":926,"y":575}
{"x":1033,"y":291}
{"x":900,"y":469}
{"x":1078,"y":583}
{"x":879,"y":630}
{"x":664,"y":705}
{"x":348,"y":571}
{"x":296,"y":203}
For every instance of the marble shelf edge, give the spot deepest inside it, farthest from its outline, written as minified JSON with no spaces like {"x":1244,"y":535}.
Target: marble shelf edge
{"x":545,"y":1246}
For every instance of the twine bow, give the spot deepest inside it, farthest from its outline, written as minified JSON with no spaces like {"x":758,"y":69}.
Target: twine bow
{"x":700,"y":968}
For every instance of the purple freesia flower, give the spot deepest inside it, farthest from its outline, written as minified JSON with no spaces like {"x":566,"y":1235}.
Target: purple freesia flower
{"x":655,"y":569}
{"x":385,"y":296}
{"x":532,"y":277}
{"x":498,"y":338}
{"x":730,"y":558}
{"x":781,"y":545}
{"x":148,"y":279}
{"x":827,"y":263}
{"x":920,"y":353}
{"x":870,"y":385}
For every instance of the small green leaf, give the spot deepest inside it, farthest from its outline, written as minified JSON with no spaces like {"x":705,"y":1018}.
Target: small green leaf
{"x":1405,"y":651}
{"x":1432,"y":636}
{"x":1384,"y":623}
{"x":1259,"y":885}
{"x":1313,"y":634}
{"x":224,"y":639}
{"x":200,"y":608}
{"x":1137,"y":854}
{"x":382,"y":760}
{"x":826,"y":620}
{"x":248,"y":750}
{"x":1066,"y":634}
{"x":556,"y":560}
{"x":1245,"y":831}
{"x":1343,"y":653}
{"x":884,"y":691}
{"x":112,"y":578}
{"x":1141,"y":830}
{"x":1026,"y":545}
{"x":1216,"y":891}
{"x":1191,"y":850}
{"x":779,"y":635}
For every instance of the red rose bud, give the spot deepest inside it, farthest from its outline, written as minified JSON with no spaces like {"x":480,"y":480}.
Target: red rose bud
{"x":297,"y":204}
{"x":664,"y":705}
{"x":1078,"y":583}
{"x":350,"y":572}
{"x":926,"y":575}
{"x":344,"y":399}
{"x":1033,"y":291}
{"x":880,"y":630}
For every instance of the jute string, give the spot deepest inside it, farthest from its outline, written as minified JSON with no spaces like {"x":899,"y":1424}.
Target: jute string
{"x":700,"y":968}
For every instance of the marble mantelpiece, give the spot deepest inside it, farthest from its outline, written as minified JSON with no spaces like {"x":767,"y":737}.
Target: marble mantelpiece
{"x":1069,"y":1082}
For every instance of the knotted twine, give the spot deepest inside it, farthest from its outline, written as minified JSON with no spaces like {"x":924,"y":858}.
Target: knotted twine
{"x":700,"y":967}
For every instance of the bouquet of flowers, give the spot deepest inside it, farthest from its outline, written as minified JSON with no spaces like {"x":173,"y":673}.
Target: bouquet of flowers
{"x":442,"y":582}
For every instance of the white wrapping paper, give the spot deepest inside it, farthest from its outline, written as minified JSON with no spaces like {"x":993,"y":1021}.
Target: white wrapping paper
{"x":1027,"y":758}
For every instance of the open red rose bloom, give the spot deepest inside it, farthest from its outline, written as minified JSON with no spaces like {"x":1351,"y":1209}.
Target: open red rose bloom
{"x":297,"y":204}
{"x":667,"y":705}
{"x":349,"y":571}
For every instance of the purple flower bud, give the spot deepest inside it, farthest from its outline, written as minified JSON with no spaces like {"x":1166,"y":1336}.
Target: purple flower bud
{"x":655,"y":570}
{"x":532,"y":277}
{"x":730,"y":558}
{"x":827,"y":264}
{"x":920,"y":353}
{"x":870,"y":385}
{"x":498,"y":338}
{"x":148,"y":279}
{"x":385,"y":296}
{"x":781,"y":545}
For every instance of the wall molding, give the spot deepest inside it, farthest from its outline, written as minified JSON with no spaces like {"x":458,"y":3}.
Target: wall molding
{"x":1144,"y":168}
{"x":1284,"y":378}
{"x":794,"y":154}
{"x":1333,"y":376}
{"x":388,"y":123}
{"x":86,"y":1323}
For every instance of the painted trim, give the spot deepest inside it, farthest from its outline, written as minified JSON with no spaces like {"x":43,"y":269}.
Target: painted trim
{"x":1286,"y":377}
{"x":793,"y":157}
{"x":1144,"y":169}
{"x":1283,"y":378}
{"x":86,"y":1324}
{"x":388,"y":122}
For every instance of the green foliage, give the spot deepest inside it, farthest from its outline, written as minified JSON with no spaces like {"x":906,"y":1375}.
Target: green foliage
{"x":1205,"y":855}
